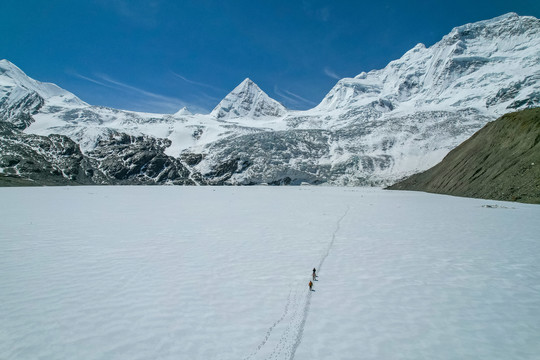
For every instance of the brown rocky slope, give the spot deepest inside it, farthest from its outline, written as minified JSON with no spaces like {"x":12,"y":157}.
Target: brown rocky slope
{"x":501,"y":162}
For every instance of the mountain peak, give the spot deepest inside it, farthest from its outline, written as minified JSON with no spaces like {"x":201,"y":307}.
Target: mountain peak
{"x":507,"y":25}
{"x":11,"y":71}
{"x":12,"y":76}
{"x":183,"y":111}
{"x":6,"y":64}
{"x":247,"y":85}
{"x":248,"y":81}
{"x":247,"y":100}
{"x":453,"y":72}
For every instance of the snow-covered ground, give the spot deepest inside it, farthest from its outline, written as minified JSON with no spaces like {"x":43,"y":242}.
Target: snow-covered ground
{"x":222,"y":273}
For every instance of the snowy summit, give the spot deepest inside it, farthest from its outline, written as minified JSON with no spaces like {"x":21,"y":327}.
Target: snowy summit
{"x":247,"y":100}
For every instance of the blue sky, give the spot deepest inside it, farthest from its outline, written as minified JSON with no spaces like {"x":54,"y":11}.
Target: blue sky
{"x":161,"y":55}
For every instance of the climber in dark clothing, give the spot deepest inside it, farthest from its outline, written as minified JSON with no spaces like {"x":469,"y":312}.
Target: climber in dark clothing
{"x":314,"y":273}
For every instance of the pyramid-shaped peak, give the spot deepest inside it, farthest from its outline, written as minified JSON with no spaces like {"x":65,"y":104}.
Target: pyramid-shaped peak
{"x":183,"y":111}
{"x":249,"y":101}
{"x":248,"y":81}
{"x":247,"y":86}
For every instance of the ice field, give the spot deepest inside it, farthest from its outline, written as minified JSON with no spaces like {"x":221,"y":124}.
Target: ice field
{"x":223,"y":272}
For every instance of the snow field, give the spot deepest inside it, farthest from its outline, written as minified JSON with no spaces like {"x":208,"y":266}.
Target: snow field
{"x":222,"y":273}
{"x":429,"y":277}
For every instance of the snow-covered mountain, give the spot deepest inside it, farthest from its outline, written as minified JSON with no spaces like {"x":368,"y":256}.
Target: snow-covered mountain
{"x":247,"y":100}
{"x":463,"y":69}
{"x":372,"y":129}
{"x":182,"y":112}
{"x":22,"y":96}
{"x":389,"y":123}
{"x":14,"y":83}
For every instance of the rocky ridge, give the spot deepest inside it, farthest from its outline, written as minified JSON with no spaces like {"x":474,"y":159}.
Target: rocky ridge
{"x":28,"y":159}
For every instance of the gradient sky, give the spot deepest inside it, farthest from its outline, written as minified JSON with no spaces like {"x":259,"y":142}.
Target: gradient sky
{"x":161,"y":55}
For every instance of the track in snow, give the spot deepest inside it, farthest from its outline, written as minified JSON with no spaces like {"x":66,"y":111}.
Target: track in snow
{"x":269,"y":332}
{"x":300,"y":303}
{"x":338,"y":224}
{"x":298,"y":339}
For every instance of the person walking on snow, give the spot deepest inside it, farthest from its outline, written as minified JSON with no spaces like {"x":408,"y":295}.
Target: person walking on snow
{"x":310,"y":285}
{"x":314,"y":274}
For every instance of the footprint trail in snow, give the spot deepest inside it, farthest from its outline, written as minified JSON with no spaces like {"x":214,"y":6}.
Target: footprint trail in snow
{"x":298,"y":304}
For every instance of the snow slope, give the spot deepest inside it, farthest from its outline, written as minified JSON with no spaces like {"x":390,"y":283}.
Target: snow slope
{"x":222,"y":273}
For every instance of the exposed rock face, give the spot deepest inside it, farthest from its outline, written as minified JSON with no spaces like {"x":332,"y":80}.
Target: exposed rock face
{"x":27,"y":159}
{"x":131,"y":159}
{"x":19,"y":111}
{"x":501,"y":161}
{"x":44,"y":160}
